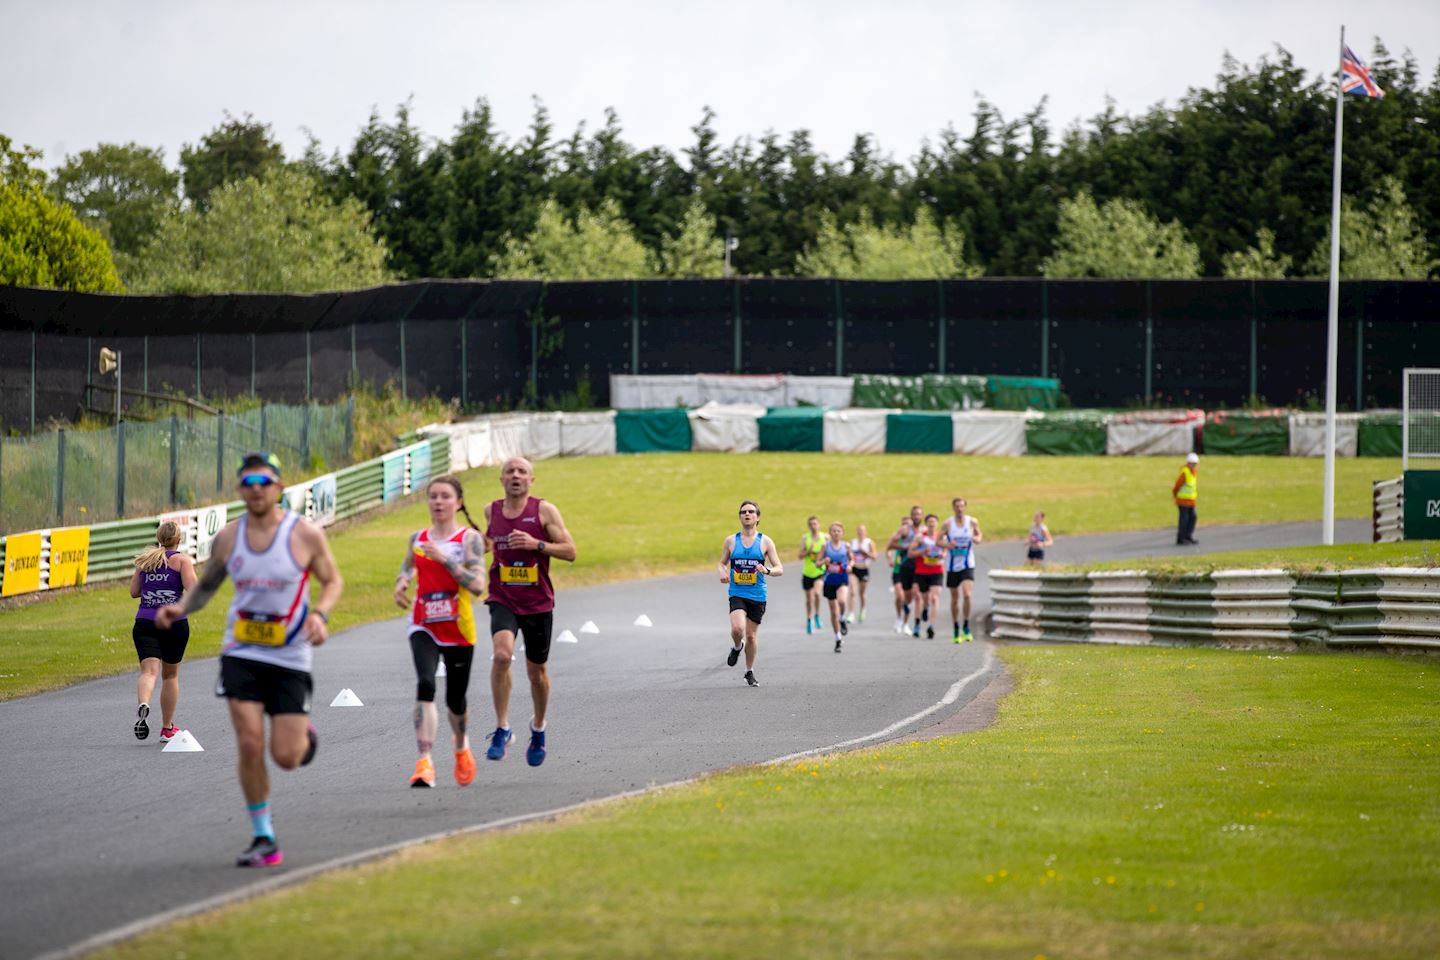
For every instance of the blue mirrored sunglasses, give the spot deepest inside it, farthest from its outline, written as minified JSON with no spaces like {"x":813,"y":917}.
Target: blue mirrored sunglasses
{"x":257,"y":480}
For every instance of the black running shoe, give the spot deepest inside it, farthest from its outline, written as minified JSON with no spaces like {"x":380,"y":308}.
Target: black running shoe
{"x":262,"y":852}
{"x":734,"y":657}
{"x":314,"y":745}
{"x":837,"y":644}
{"x":844,"y":629}
{"x":929,"y":633}
{"x":750,"y":678}
{"x":142,"y":729}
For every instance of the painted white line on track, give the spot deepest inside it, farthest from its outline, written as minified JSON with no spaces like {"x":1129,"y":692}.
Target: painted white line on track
{"x":292,"y":877}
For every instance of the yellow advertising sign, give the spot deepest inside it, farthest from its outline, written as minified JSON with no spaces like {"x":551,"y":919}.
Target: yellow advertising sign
{"x":69,"y":556}
{"x":22,"y":564}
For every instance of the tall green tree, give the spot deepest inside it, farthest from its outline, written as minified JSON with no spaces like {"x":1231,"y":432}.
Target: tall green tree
{"x":1256,"y":262}
{"x":694,"y":250}
{"x":1119,"y":240}
{"x":278,"y":234}
{"x":43,"y":243}
{"x":866,"y":251}
{"x":232,"y":151}
{"x":124,"y":191}
{"x":596,"y":245}
{"x":1379,"y":241}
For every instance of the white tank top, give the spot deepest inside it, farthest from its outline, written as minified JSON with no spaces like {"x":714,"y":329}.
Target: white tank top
{"x":859,"y":547}
{"x":272,"y":599}
{"x":962,"y":544}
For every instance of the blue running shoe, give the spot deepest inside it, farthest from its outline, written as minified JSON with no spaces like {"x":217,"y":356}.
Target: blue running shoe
{"x":535,"y":753}
{"x":818,"y":625}
{"x":809,"y":628}
{"x":499,"y":740}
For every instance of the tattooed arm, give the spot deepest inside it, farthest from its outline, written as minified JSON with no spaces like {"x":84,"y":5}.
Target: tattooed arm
{"x":407,"y":573}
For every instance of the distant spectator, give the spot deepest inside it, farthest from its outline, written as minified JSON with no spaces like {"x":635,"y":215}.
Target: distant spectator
{"x":1185,"y":490}
{"x":1038,"y":540}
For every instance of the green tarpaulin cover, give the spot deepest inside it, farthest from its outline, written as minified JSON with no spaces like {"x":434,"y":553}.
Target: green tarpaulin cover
{"x":1248,"y":434}
{"x":919,"y":433}
{"x":648,"y":431}
{"x":1021,"y":393}
{"x":1078,"y":433}
{"x":793,"y":428}
{"x":1379,"y":436}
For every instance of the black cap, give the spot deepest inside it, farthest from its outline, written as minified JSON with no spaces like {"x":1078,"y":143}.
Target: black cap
{"x":261,"y":458}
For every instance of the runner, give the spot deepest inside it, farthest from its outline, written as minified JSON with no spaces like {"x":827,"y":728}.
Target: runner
{"x":524,"y":533}
{"x":448,"y":562}
{"x":162,"y":574}
{"x":1038,"y":540}
{"x":811,"y":546}
{"x":271,"y":554}
{"x":899,"y":550}
{"x":746,"y":560}
{"x":961,"y":532}
{"x":836,"y":558}
{"x":862,"y":551}
{"x":928,"y":550}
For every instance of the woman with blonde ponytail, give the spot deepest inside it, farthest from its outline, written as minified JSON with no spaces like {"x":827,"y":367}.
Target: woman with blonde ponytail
{"x":162,"y":574}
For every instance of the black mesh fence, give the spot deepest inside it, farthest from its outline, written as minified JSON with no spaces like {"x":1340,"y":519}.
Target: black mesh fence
{"x":489,"y":344}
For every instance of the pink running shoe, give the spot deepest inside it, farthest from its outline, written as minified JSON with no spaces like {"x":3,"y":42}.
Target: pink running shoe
{"x":169,"y":733}
{"x":262,"y":853}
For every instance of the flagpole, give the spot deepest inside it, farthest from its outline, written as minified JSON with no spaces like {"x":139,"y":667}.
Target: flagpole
{"x":1332,"y":346}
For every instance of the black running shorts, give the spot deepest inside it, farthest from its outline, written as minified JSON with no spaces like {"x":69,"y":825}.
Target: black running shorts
{"x":832,"y":590}
{"x":280,"y":689}
{"x":534,"y":627}
{"x":860,"y":573}
{"x":924,"y":581}
{"x":956,"y":577}
{"x":1035,"y":553}
{"x":807,"y":582}
{"x":907,"y":574}
{"x":754,"y":609}
{"x":166,"y":645}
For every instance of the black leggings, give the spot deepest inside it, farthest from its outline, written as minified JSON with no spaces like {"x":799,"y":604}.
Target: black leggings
{"x":427,"y":654}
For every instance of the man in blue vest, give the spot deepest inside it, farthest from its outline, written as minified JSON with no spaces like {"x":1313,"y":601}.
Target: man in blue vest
{"x":747,"y":558}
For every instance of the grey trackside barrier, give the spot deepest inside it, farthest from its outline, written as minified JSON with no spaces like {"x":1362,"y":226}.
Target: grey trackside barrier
{"x":1388,"y":496}
{"x":1382,"y":607}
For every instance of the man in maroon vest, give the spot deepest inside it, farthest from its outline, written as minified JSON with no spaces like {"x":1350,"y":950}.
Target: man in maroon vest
{"x":522,"y":533}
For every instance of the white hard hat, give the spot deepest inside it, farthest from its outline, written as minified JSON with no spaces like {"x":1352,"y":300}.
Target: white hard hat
{"x":1193,"y":458}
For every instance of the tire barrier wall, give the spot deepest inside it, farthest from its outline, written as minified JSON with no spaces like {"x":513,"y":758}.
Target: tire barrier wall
{"x":1113,"y":343}
{"x":1385,"y":608}
{"x":1388,"y":525}
{"x":71,"y":556}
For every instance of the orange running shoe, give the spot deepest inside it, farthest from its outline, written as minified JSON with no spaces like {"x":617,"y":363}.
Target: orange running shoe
{"x":424,"y":775}
{"x":464,"y":767}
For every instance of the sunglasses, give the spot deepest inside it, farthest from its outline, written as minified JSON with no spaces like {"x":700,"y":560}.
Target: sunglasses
{"x":749,"y":510}
{"x":257,"y":480}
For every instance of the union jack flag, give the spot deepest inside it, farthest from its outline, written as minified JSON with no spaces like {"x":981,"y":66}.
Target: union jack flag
{"x":1355,"y":77}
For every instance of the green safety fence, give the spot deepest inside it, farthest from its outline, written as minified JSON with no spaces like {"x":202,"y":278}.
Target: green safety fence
{"x":1021,"y":393}
{"x":1379,"y":435}
{"x":1075,"y":433}
{"x":919,"y":433}
{"x":931,"y":391}
{"x":652,"y":431}
{"x":800,"y":429}
{"x":1248,"y":434}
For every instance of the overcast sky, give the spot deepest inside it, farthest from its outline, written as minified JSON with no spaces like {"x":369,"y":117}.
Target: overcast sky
{"x":162,"y":72}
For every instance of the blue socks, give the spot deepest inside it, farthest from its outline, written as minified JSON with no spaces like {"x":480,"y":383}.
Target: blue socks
{"x":260,"y":819}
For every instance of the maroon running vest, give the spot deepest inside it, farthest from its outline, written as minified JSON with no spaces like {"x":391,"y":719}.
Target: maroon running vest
{"x":519,"y":579}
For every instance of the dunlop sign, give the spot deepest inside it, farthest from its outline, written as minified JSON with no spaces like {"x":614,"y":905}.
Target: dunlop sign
{"x":69,"y":556}
{"x":22,"y":564}
{"x":1422,"y":504}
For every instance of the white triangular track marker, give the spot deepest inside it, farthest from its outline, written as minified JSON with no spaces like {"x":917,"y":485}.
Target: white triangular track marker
{"x":589,"y":627}
{"x":183,"y":742}
{"x":440,"y":670}
{"x":346,"y":698}
{"x":567,"y":637}
{"x":643,"y":621}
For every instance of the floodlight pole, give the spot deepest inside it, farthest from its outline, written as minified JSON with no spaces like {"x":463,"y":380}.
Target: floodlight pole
{"x":1332,"y":333}
{"x":118,"y":355}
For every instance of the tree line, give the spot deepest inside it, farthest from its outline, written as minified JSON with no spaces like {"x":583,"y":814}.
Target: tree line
{"x":1234,"y":180}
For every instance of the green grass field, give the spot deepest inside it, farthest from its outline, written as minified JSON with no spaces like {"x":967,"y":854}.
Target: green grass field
{"x":1340,"y":556}
{"x":1129,"y":803}
{"x":638,"y":516}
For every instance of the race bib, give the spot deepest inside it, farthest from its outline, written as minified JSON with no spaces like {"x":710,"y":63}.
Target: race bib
{"x":439,"y":607}
{"x":835,"y":567}
{"x":264,"y":629}
{"x":520,"y":574}
{"x":745,"y":579}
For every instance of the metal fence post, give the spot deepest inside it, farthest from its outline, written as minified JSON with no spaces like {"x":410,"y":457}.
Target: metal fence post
{"x":174,"y":459}
{"x":252,"y":366}
{"x":1360,"y":362}
{"x":89,"y":371}
{"x":354,"y":364}
{"x":32,"y":381}
{"x":120,"y":470}
{"x":940,"y":305}
{"x":350,"y":427}
{"x":264,"y":429}
{"x":60,"y":477}
{"x":1254,"y":345}
{"x":1044,"y":327}
{"x":307,"y":366}
{"x":1149,"y":346}
{"x":305,"y":438}
{"x":404,"y":374}
{"x":145,"y":362}
{"x":839,"y":330}
{"x":220,"y":452}
{"x":464,"y":363}
{"x":735,"y":309}
{"x":635,"y":326}
{"x":197,"y":366}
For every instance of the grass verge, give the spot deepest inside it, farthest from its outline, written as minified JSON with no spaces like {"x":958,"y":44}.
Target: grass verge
{"x":1340,"y":556}
{"x":638,"y":516}
{"x":1130,"y":803}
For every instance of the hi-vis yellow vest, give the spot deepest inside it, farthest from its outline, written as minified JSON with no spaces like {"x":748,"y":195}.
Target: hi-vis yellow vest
{"x":1189,"y":484}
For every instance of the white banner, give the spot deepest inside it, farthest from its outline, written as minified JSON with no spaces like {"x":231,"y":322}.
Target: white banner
{"x":208,"y":521}
{"x":322,"y":500}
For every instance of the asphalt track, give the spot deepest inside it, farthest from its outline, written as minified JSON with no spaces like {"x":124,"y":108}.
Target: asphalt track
{"x":99,"y":831}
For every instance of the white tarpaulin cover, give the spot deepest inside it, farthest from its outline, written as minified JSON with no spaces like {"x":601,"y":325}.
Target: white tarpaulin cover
{"x":544,"y":441}
{"x":726,"y":427}
{"x":990,"y":432}
{"x":587,"y":434}
{"x":654,"y":391}
{"x":1140,"y":439}
{"x":855,"y":430}
{"x":819,"y":391}
{"x":766,"y":389}
{"x":1307,"y":434}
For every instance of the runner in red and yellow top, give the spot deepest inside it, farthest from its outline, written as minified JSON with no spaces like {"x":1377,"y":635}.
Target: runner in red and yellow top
{"x":524,"y":532}
{"x":928,"y":549}
{"x":446,"y":560}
